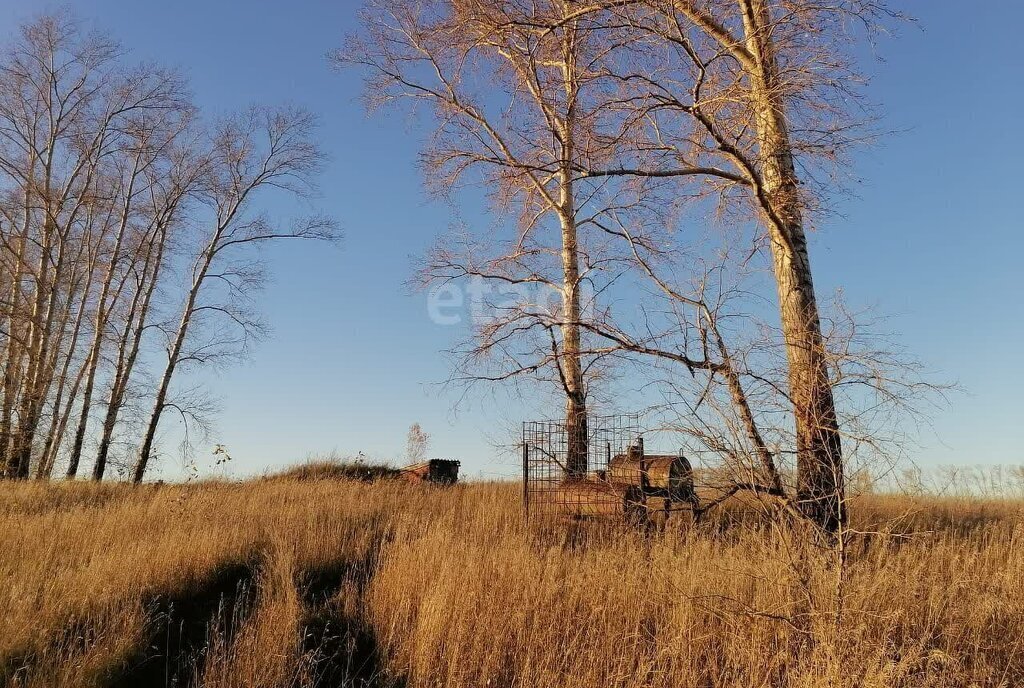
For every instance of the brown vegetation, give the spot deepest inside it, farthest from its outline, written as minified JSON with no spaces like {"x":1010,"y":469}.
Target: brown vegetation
{"x":332,"y":469}
{"x":318,"y":582}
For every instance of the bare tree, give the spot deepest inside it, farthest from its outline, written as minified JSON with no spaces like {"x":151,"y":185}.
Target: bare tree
{"x":416,"y":444}
{"x":170,"y":187}
{"x":743,"y":106}
{"x":516,"y":91}
{"x":730,"y":98}
{"x":261,"y":150}
{"x":105,"y":175}
{"x":53,"y":101}
{"x":704,"y":339}
{"x":65,"y":105}
{"x":67,"y":387}
{"x":146,"y":141}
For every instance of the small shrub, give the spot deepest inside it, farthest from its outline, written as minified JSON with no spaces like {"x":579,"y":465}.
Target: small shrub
{"x":331,"y":469}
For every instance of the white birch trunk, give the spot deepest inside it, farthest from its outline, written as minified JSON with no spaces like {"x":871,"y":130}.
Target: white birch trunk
{"x":819,"y":448}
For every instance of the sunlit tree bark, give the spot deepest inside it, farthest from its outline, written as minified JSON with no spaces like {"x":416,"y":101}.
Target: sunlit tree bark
{"x":710,"y":95}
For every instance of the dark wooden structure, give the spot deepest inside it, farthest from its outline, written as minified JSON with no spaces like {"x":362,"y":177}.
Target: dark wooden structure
{"x":435,"y":471}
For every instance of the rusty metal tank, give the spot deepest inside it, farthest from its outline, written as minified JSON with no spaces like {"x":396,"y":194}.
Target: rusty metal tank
{"x":591,"y":499}
{"x":668,"y":475}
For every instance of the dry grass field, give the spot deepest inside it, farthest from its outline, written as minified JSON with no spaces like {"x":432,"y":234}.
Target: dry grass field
{"x":325,"y":582}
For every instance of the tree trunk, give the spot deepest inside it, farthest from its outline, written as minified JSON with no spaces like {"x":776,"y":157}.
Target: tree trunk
{"x":146,"y":450}
{"x":15,"y":343}
{"x":39,"y":374}
{"x":31,"y":404}
{"x":103,"y":310}
{"x":576,"y":420}
{"x":46,"y":458}
{"x":12,"y":376}
{"x":128,"y":352}
{"x":173,"y":354}
{"x":83,"y":419}
{"x":569,"y":362}
{"x":115,"y":399}
{"x":572,"y":371}
{"x":52,"y":448}
{"x":818,"y":444}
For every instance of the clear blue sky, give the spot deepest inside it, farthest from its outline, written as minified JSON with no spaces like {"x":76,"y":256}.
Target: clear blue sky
{"x":933,"y":239}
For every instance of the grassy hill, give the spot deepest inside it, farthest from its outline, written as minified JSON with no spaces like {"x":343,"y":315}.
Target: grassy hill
{"x":325,"y":582}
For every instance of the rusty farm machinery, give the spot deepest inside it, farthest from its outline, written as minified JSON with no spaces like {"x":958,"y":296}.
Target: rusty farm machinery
{"x":616,"y":479}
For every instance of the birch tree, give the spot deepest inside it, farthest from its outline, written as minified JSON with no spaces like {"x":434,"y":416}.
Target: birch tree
{"x":53,"y":101}
{"x":107,"y":175}
{"x":67,"y":385}
{"x":515,"y":91}
{"x":259,"y":151}
{"x":707,"y":343}
{"x":130,"y":242}
{"x":416,"y":444}
{"x":171,"y":186}
{"x":733,"y":98}
{"x":65,"y":105}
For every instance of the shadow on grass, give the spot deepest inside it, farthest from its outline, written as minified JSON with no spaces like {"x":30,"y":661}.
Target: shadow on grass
{"x":340,"y":649}
{"x":338,"y":645}
{"x":177,"y":648}
{"x":176,"y":644}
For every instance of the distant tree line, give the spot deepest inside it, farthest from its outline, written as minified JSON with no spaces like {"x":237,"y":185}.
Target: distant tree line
{"x":128,"y":224}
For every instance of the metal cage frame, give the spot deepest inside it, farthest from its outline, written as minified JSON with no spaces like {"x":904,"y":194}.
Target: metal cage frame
{"x":545,"y":445}
{"x":618,"y":479}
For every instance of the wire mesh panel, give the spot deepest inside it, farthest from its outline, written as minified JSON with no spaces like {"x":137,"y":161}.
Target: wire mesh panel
{"x":556,"y":481}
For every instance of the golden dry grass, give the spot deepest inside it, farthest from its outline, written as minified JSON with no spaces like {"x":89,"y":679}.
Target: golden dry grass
{"x":325,"y":582}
